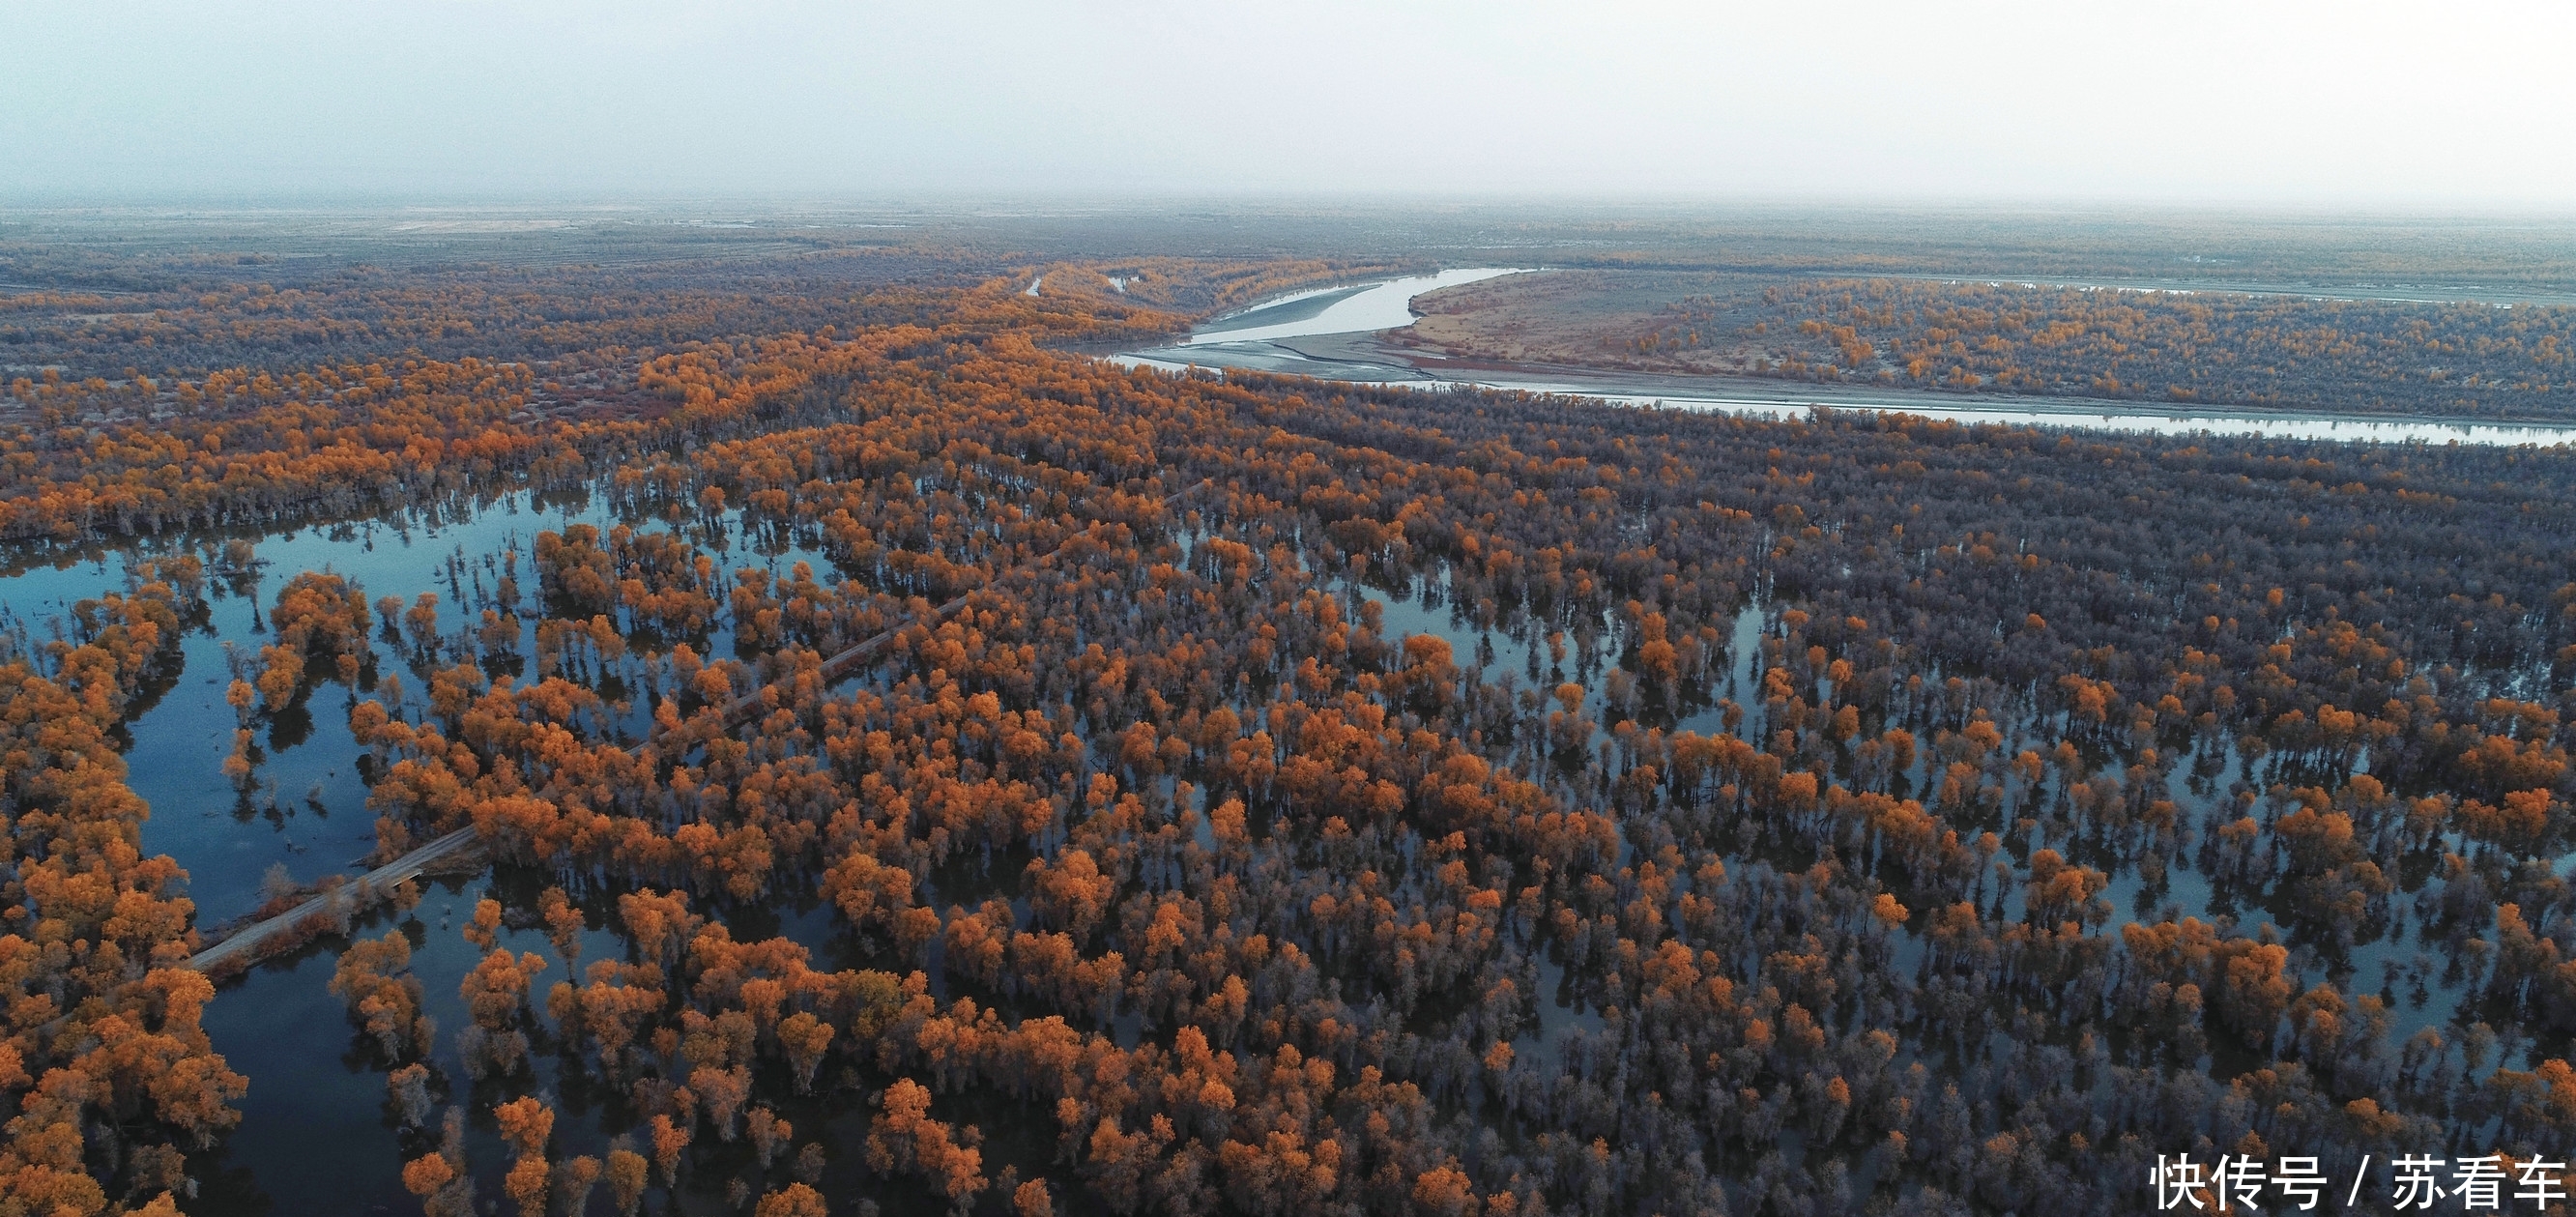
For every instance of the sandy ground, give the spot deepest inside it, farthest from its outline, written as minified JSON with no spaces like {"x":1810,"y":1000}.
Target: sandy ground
{"x":1578,"y":318}
{"x":1298,"y":309}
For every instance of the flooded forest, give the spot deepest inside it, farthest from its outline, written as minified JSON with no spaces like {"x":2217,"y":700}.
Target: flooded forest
{"x":870,"y":755}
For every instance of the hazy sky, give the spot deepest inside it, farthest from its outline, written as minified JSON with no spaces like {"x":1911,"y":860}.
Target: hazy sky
{"x":2446,"y":104}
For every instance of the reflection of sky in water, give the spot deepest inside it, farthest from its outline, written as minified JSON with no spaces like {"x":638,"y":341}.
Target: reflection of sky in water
{"x":2382,"y":431}
{"x":1388,"y":306}
{"x":310,"y":812}
{"x":2198,"y":784}
{"x":317,"y":1091}
{"x":2385,"y":431}
{"x":1383,"y":307}
{"x":283,"y":1029}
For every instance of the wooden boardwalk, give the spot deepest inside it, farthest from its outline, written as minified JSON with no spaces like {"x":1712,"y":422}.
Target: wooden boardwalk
{"x":245,"y":947}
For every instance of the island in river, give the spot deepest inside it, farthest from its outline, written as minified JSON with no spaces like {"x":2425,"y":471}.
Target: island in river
{"x":1740,"y":343}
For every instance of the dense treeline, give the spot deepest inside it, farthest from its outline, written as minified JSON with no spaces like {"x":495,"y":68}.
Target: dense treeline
{"x":185,"y":322}
{"x":1857,"y":814}
{"x":1927,"y":783}
{"x":369,"y":389}
{"x":157,"y":344}
{"x":2205,"y":348}
{"x":248,"y":447}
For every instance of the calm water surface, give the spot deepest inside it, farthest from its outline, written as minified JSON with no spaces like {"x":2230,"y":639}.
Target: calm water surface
{"x":318,"y":1135}
{"x":309,"y":812}
{"x":1253,"y":336}
{"x":1344,"y":310}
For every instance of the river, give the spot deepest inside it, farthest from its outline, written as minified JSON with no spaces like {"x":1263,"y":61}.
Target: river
{"x":1264,"y":339}
{"x":1358,"y":309}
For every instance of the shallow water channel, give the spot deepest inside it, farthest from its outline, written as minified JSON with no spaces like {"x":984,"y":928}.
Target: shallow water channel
{"x":1336,"y":310}
{"x":1255,"y":339}
{"x":317,"y":1135}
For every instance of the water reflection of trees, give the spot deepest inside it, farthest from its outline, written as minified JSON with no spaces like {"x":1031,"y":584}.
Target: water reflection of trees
{"x":2006,"y":844}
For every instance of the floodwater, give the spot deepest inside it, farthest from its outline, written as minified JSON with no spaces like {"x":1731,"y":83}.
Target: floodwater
{"x":309,"y":812}
{"x":1256,"y":340}
{"x":307,"y":808}
{"x":2395,"y":960}
{"x":317,"y":1091}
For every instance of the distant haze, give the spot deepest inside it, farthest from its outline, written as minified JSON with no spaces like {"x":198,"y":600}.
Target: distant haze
{"x":2308,"y":105}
